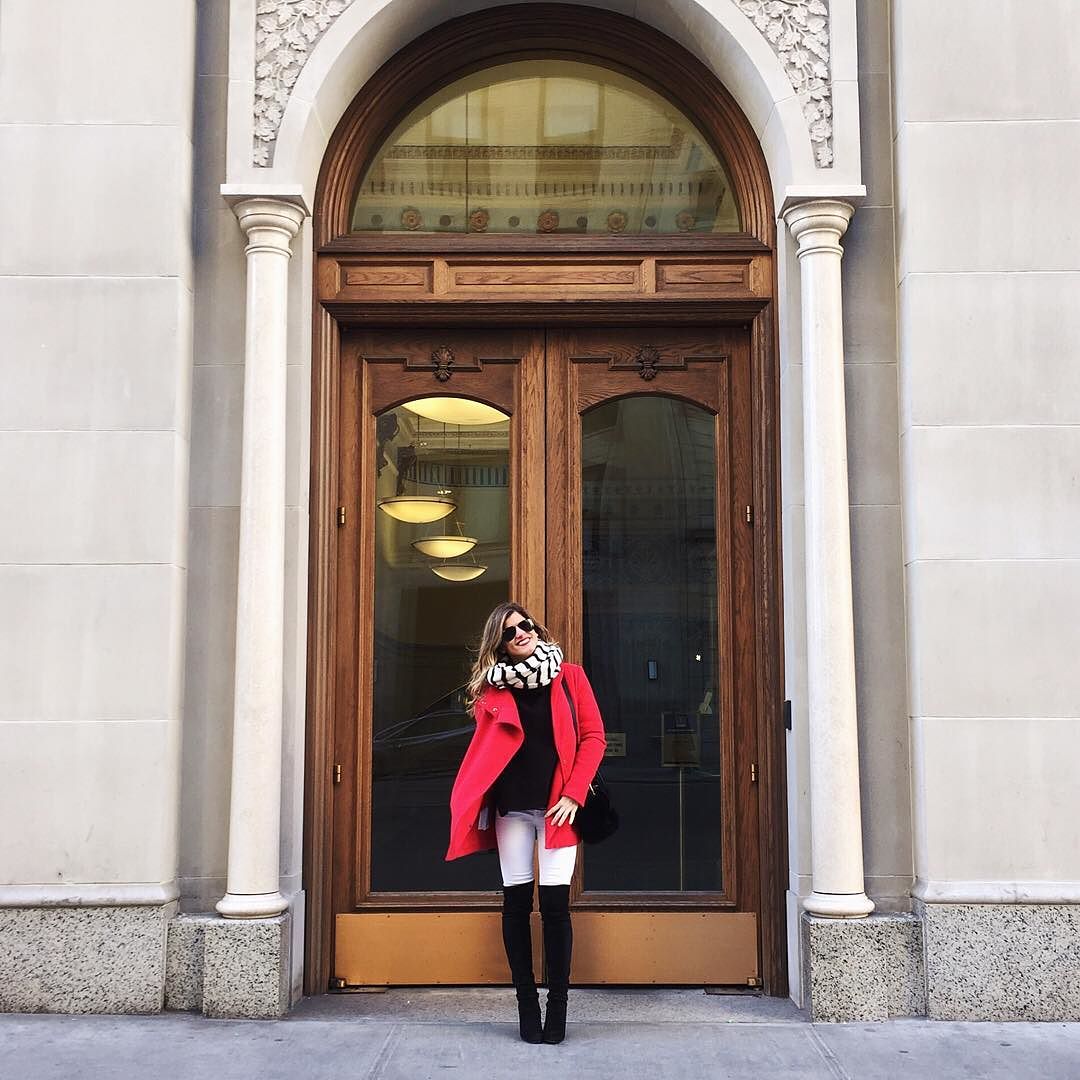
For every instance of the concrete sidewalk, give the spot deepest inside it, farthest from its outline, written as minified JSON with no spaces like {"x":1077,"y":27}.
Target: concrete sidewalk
{"x":613,"y":1035}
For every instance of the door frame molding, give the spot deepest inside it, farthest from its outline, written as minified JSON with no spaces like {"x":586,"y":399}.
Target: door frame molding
{"x":744,"y":293}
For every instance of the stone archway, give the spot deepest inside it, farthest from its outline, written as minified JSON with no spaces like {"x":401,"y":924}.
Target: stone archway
{"x":816,"y":200}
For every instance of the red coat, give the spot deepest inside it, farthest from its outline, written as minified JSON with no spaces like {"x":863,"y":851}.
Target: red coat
{"x":496,"y":739}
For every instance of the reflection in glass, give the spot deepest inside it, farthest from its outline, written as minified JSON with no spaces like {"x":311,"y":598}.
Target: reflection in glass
{"x":549,"y":147}
{"x":427,"y":612}
{"x":650,"y":639}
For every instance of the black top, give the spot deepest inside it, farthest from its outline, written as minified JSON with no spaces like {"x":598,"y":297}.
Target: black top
{"x":525,"y":783}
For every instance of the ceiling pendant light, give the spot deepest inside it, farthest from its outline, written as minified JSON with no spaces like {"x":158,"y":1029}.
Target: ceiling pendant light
{"x":445,"y":547}
{"x":417,"y":509}
{"x":452,"y":410}
{"x":459,"y":571}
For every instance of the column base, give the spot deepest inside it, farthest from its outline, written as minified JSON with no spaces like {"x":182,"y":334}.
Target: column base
{"x":229,"y":968}
{"x":251,"y":905}
{"x":246,"y":968}
{"x":838,"y":905}
{"x":862,"y":969}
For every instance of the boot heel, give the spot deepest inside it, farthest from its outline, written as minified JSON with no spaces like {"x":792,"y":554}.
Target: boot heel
{"x":529,"y":1019}
{"x":555,"y":1021}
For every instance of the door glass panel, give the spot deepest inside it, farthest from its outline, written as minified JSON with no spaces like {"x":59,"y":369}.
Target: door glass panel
{"x":650,"y":639}
{"x":442,"y":562}
{"x":546,"y":147}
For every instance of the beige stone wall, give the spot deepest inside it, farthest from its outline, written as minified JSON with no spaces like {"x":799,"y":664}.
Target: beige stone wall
{"x":95,"y":306}
{"x":987,"y":98}
{"x":870,"y":354}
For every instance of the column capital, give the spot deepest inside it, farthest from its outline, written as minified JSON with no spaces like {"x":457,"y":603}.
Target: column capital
{"x":818,"y":222}
{"x":276,"y":220}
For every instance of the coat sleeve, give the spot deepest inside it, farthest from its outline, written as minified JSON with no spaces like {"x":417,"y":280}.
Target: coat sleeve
{"x":591,"y":740}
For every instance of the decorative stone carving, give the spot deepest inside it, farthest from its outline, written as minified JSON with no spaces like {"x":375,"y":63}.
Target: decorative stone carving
{"x":287,"y":30}
{"x":798,"y":31}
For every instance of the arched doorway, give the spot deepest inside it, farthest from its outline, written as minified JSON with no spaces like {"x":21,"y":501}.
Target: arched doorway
{"x":521,"y":210}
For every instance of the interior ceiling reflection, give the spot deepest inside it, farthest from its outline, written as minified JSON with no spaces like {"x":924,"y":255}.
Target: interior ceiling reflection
{"x":549,"y":147}
{"x":465,"y":467}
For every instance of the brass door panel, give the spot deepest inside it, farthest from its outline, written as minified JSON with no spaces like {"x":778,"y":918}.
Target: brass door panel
{"x":424,"y":949}
{"x":623,"y":948}
{"x":642,"y":947}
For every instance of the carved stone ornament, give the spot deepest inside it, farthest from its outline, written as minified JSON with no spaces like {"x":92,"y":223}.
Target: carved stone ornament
{"x":648,"y":362}
{"x":287,"y":30}
{"x":443,"y":359}
{"x":479,"y":220}
{"x":798,"y":31}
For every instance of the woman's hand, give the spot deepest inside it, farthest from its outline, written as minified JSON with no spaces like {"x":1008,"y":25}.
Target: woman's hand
{"x":563,"y":811}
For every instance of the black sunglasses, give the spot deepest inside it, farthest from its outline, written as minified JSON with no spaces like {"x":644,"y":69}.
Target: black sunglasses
{"x":526,"y":626}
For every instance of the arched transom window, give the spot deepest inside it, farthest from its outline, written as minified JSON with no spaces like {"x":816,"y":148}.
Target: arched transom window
{"x":551,"y":147}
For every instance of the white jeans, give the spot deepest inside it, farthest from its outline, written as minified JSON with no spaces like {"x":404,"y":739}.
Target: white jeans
{"x":517,"y":835}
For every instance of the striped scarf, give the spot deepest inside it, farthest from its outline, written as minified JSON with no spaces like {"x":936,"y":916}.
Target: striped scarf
{"x":532,"y":672}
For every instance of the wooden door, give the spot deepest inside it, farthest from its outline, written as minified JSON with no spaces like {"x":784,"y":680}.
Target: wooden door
{"x":402,"y":914}
{"x":624,"y":477}
{"x":650,"y":574}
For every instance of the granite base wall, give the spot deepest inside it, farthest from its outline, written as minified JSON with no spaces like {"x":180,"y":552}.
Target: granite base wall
{"x":1002,"y":961}
{"x":863,"y":969}
{"x":67,"y":959}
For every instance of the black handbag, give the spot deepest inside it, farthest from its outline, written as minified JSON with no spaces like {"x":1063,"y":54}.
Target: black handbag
{"x":598,"y":818}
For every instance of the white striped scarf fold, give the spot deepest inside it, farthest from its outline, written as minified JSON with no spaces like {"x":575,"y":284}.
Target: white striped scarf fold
{"x":532,"y":672}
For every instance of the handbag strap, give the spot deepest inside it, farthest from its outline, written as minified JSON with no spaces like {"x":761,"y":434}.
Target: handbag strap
{"x":570,"y":701}
{"x":573,"y":713}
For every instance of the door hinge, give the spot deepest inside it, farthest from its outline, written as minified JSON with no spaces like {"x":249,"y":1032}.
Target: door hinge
{"x":337,"y":984}
{"x":753,"y":980}
{"x":749,"y":515}
{"x":753,"y":772}
{"x":337,"y":774}
{"x":340,"y":516}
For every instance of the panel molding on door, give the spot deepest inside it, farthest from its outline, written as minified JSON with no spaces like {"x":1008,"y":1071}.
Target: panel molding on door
{"x":708,"y":370}
{"x":380,"y":370}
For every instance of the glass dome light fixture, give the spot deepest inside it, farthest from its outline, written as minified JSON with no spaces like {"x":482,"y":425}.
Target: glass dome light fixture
{"x":447,"y":546}
{"x":459,"y":571}
{"x":452,"y":410}
{"x":417,"y":509}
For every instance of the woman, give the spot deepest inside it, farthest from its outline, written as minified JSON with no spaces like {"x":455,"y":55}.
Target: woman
{"x":522,"y":780}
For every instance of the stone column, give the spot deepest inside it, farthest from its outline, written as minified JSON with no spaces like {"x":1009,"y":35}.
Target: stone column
{"x":255,"y":811}
{"x":835,"y":812}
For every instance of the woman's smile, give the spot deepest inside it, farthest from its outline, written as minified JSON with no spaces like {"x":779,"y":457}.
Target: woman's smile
{"x":523,"y":642}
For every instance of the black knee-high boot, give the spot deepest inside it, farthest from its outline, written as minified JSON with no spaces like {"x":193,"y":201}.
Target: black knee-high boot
{"x":517,"y":937}
{"x":558,"y":945}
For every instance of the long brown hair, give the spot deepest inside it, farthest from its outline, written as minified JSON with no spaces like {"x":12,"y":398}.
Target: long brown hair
{"x":491,"y":649}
